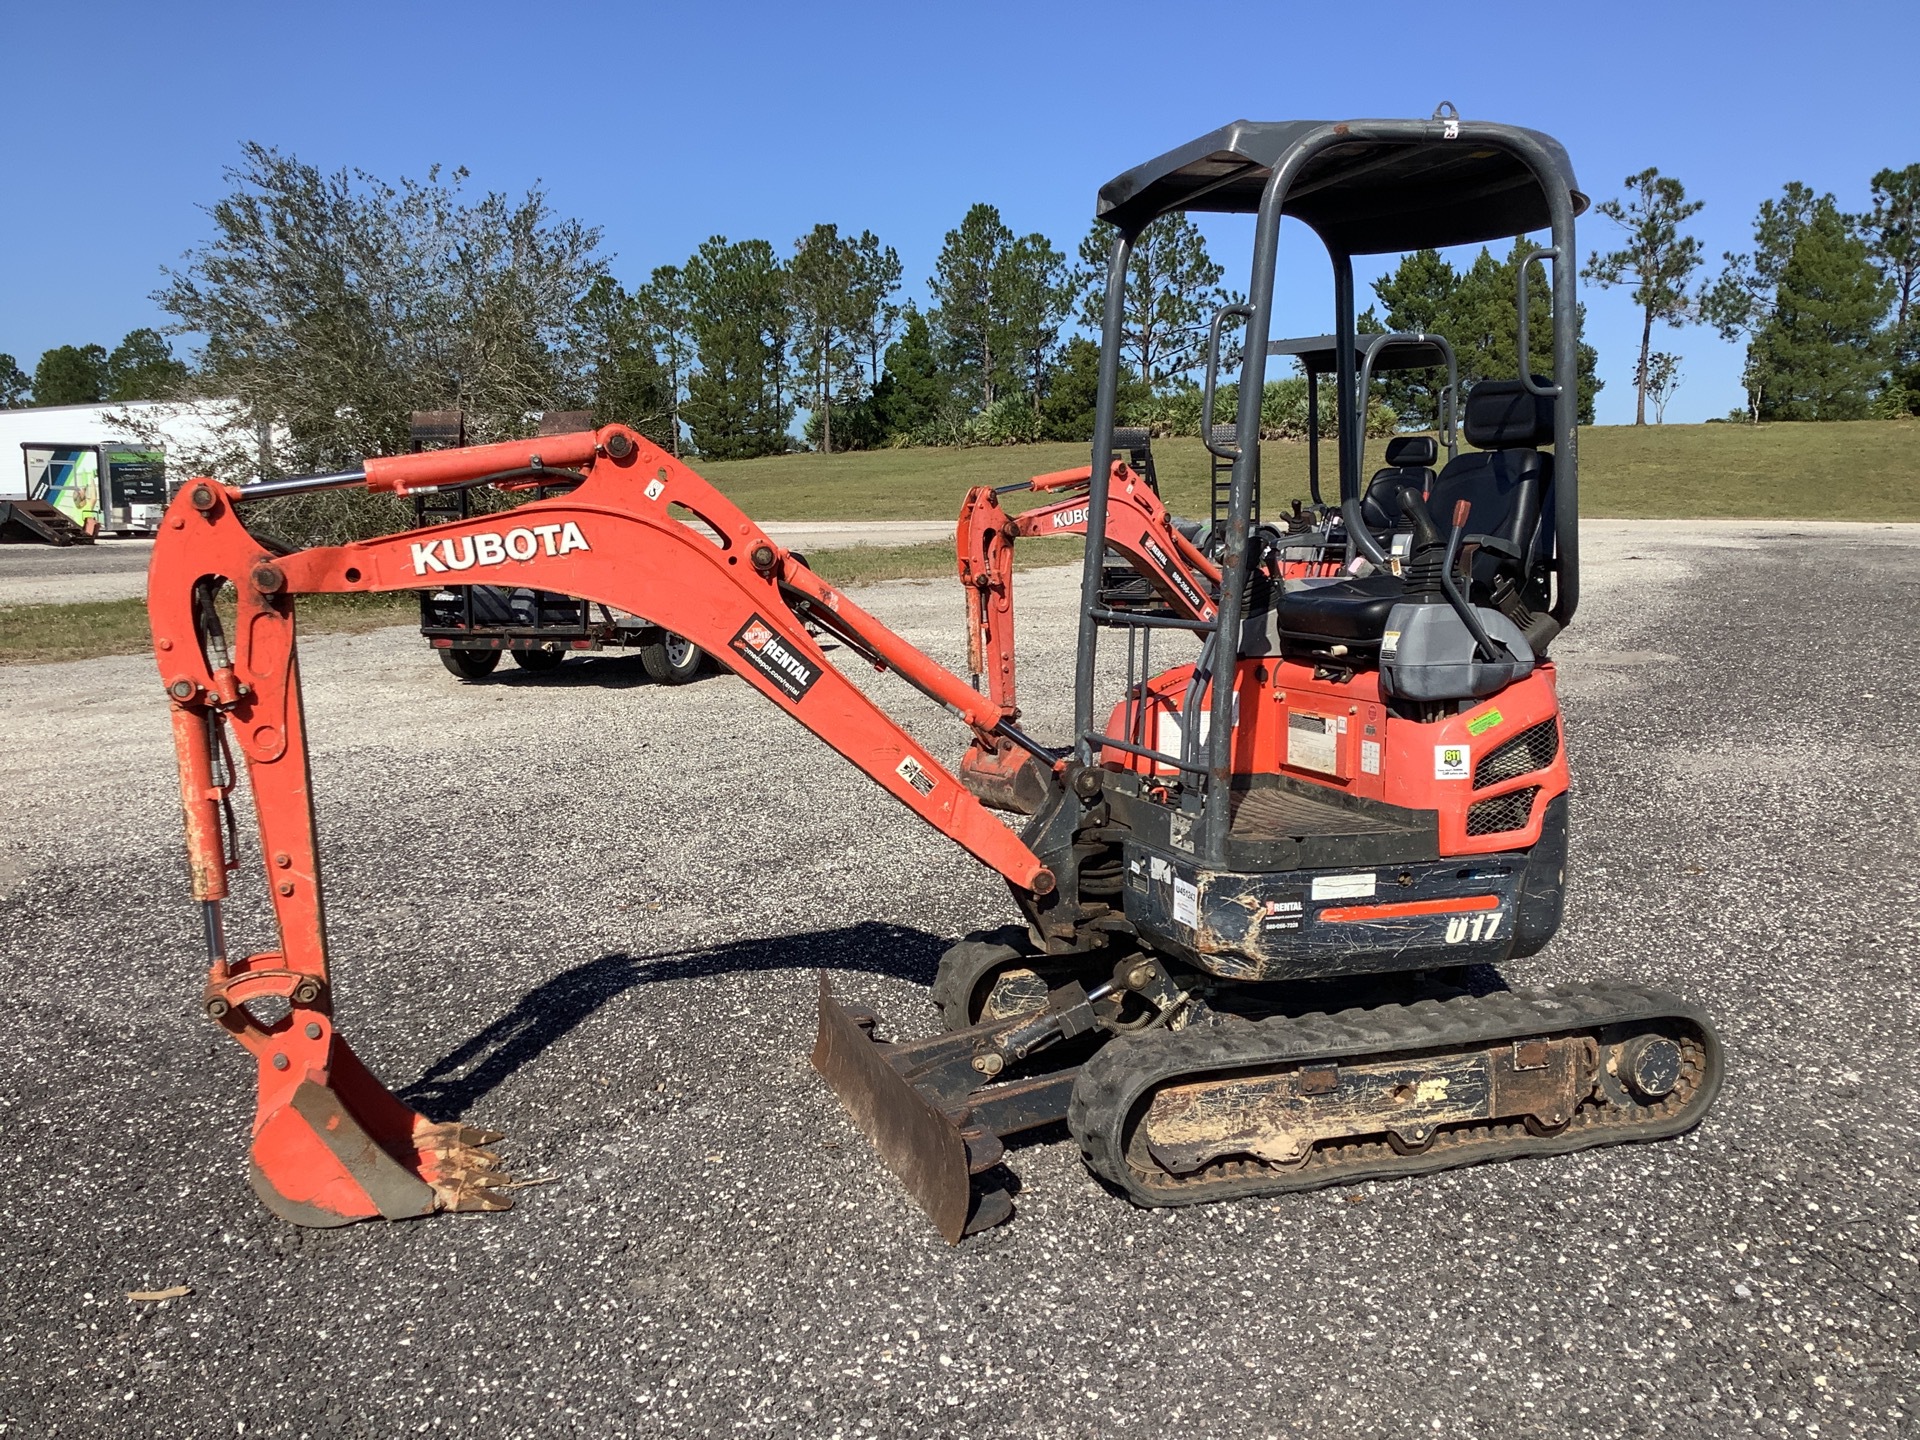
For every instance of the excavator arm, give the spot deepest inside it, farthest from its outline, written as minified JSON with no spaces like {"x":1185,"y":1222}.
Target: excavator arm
{"x":639,"y":532}
{"x":996,"y":769}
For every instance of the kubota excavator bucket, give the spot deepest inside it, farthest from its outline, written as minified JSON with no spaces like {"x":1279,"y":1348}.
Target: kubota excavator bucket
{"x":932,"y":1116}
{"x":332,"y":1145}
{"x":1005,"y":776}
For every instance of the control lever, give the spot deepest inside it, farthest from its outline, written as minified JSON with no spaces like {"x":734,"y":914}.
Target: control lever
{"x":1482,"y":641}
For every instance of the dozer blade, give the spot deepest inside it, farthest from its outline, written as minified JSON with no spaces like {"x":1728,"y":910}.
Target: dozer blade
{"x":919,"y":1142}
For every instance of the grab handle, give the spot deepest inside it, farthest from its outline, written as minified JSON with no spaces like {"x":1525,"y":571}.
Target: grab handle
{"x":1213,"y":375}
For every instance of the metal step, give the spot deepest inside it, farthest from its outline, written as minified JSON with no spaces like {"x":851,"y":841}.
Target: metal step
{"x":35,"y":522}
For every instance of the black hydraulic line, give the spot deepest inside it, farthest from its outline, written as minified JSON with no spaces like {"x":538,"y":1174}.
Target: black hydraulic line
{"x":1026,"y":742}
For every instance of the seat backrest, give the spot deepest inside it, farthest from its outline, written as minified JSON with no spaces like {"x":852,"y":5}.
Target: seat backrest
{"x":1506,"y":480}
{"x":1409,"y":462}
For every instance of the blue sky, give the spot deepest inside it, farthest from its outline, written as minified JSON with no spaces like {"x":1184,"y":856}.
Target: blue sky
{"x":666,"y":124}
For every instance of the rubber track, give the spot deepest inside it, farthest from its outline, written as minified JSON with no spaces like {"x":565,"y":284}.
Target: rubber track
{"x":1114,"y":1082}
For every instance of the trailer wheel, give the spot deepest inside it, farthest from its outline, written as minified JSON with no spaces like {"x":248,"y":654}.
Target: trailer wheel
{"x":672,"y":659}
{"x":470,"y":664}
{"x":539,"y":661}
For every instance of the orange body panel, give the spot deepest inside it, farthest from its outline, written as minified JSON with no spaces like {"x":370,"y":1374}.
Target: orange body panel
{"x":1348,"y":740}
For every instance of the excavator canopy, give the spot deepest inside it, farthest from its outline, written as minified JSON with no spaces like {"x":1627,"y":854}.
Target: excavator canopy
{"x":1365,"y":197}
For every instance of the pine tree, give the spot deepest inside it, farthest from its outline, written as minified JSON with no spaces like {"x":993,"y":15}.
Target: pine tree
{"x":71,"y":375}
{"x":876,"y":318}
{"x":15,"y":386}
{"x":1416,"y":296}
{"x":1034,"y":297}
{"x":1477,"y":311}
{"x":662,"y":304}
{"x":1740,"y":300}
{"x":1892,"y":229}
{"x":1657,"y":260}
{"x":737,"y":403}
{"x":916,"y":394}
{"x":1821,"y":350}
{"x":968,"y":306}
{"x":821,"y":281}
{"x":142,"y":367}
{"x":622,"y":381}
{"x":1173,"y":290}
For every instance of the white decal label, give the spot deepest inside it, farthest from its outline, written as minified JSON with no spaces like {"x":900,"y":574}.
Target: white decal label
{"x":1452,"y":762}
{"x":655,"y":489}
{"x":1067,"y":519}
{"x":1343,"y":887}
{"x":1313,"y":742}
{"x":1370,"y":757}
{"x":915,"y":774}
{"x":1389,"y":642}
{"x":1462,"y":928}
{"x":1186,"y":904}
{"x":1159,"y":869}
{"x":493,"y":547}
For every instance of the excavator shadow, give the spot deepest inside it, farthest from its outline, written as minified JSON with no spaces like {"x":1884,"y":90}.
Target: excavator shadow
{"x":546,"y":1014}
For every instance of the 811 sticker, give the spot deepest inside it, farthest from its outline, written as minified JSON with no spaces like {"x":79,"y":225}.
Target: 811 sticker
{"x":1452,"y":762}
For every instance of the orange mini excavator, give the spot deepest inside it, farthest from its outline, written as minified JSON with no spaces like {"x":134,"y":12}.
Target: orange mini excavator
{"x":1246,"y":886}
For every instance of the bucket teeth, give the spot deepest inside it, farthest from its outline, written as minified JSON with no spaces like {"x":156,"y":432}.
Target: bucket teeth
{"x":473,"y":1190}
{"x":449,"y":1133}
{"x":464,"y":1176}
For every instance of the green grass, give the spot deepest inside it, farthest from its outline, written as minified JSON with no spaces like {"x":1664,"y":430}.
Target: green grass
{"x":34,"y":634}
{"x":1861,"y":470}
{"x":1858,"y":470}
{"x":38,"y":634}
{"x":866,"y":564}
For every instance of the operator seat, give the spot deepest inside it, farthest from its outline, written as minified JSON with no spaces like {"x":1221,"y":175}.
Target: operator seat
{"x":1508,"y":482}
{"x":1409,"y":462}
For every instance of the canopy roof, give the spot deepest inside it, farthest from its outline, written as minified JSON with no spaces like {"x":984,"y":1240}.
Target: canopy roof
{"x":1316,"y":352}
{"x":1363,"y":196}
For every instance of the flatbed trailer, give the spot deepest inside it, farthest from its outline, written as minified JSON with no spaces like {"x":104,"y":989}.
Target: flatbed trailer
{"x":472,"y":626}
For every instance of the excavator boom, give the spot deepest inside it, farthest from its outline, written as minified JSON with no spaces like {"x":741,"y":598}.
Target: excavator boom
{"x":640,"y":531}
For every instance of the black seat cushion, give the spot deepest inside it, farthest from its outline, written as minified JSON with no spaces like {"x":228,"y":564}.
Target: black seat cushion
{"x":1380,"y":506}
{"x":1351,"y":612}
{"x":1507,"y":491}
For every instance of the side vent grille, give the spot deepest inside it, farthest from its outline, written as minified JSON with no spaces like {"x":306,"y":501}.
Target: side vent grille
{"x":1502,"y":813}
{"x":1532,"y":749}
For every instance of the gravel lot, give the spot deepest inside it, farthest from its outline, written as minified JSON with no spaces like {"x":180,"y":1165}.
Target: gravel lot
{"x":588,"y":911}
